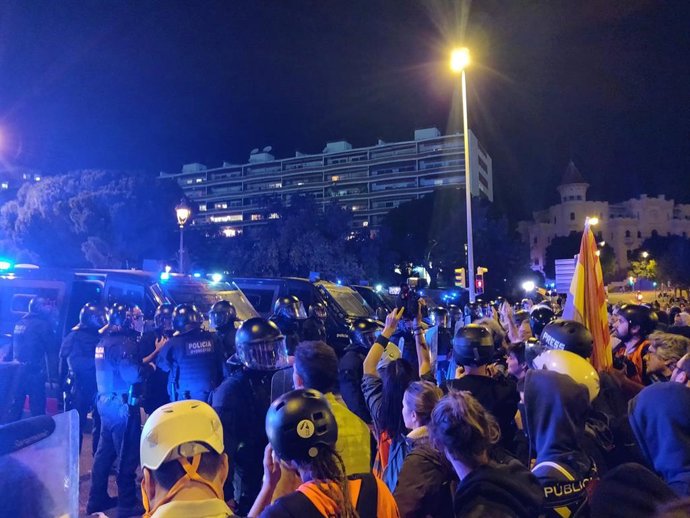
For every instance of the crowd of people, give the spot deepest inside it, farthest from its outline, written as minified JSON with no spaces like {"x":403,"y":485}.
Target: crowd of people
{"x":490,"y":410}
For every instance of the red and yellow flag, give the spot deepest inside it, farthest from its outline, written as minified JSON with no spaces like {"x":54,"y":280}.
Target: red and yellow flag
{"x":586,"y":300}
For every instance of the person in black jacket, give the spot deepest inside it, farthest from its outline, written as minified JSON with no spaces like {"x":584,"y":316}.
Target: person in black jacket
{"x":424,"y":483}
{"x":473,"y":348}
{"x":465,"y":432}
{"x":78,"y":349}
{"x":31,"y":340}
{"x":314,"y":327}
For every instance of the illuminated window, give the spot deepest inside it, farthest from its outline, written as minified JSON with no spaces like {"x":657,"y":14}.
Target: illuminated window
{"x":256,"y":217}
{"x":335,"y":178}
{"x":365,"y":223}
{"x":5,"y":185}
{"x":199,"y":180}
{"x":202,"y":207}
{"x":231,"y":232}
{"x":273,"y":215}
{"x":275,"y":185}
{"x":221,"y":205}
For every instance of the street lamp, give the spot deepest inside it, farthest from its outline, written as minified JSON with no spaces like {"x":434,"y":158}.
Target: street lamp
{"x":459,"y":61}
{"x":183,"y":213}
{"x":645,"y":255}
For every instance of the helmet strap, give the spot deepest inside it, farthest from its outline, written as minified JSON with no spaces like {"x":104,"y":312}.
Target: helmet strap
{"x":190,"y":475}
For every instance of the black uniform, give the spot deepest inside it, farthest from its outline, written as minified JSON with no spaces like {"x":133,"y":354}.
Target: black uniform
{"x":31,"y":340}
{"x":291,"y":330}
{"x":350,"y":374}
{"x":78,"y":349}
{"x":118,"y":367}
{"x":194,"y":364}
{"x":242,"y":401}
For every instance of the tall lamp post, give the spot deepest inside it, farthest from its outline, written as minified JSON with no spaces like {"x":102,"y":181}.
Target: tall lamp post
{"x":459,"y":61}
{"x":183,"y":213}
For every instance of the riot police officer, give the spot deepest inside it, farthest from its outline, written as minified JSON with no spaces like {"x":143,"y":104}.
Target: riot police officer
{"x":222,"y":318}
{"x":118,"y":369}
{"x":78,"y":349}
{"x":152,"y":341}
{"x":364,"y":333}
{"x":192,"y":359}
{"x":314,"y":327}
{"x":31,"y":340}
{"x":288,"y":312}
{"x":242,"y":401}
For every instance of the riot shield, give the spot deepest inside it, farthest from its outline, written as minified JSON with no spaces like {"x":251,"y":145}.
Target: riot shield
{"x":39,"y":466}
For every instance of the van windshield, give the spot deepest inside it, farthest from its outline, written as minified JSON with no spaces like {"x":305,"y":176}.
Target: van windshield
{"x":349,"y":300}
{"x":203,"y":296}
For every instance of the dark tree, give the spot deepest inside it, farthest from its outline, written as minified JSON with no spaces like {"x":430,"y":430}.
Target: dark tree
{"x":672,"y":256}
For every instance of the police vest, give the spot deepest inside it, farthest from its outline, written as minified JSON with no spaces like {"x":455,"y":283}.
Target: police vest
{"x":196,"y":365}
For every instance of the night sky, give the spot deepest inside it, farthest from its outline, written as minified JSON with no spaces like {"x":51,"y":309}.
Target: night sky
{"x":153,"y":85}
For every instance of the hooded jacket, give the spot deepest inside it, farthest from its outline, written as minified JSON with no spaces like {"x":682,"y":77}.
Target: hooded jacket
{"x":556,"y":409}
{"x":660,"y":420}
{"x":424,"y":482}
{"x":507,"y":490}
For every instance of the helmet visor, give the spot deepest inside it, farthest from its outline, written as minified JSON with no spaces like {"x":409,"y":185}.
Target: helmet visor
{"x":218,"y":318}
{"x":263,"y":355}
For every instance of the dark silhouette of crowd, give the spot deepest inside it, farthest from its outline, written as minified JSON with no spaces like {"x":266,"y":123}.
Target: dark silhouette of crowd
{"x":491,"y":410}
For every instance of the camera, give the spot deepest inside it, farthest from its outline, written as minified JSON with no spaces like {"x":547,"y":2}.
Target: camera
{"x":408,"y":299}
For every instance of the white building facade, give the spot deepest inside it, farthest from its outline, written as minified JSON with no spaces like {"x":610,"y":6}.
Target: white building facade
{"x":369,"y":181}
{"x":624,"y":226}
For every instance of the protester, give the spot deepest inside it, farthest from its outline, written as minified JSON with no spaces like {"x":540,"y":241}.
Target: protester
{"x":424,"y":483}
{"x":183,"y":462}
{"x":634,"y":324}
{"x":465,"y":432}
{"x":316,"y":367}
{"x":303,"y":432}
{"x":384,"y":394}
{"x":665,"y":350}
{"x":517,"y":364}
{"x":661,"y":422}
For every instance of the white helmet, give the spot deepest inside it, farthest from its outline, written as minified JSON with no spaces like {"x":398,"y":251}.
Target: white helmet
{"x":570,"y":364}
{"x":180,"y":429}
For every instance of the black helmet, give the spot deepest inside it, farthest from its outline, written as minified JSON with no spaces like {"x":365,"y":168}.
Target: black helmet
{"x":185,"y":318}
{"x":39,"y":306}
{"x":439,"y":317}
{"x":289,"y":307}
{"x":162,"y":319}
{"x":533,"y":348}
{"x":568,"y":335}
{"x":365,"y":331}
{"x":473,"y":345}
{"x":639,"y":315}
{"x":260,"y":345}
{"x":498,"y":302}
{"x":117,"y":315}
{"x":91,"y":316}
{"x":520,"y":316}
{"x":474,"y":311}
{"x":299,"y":423}
{"x":222,"y":313}
{"x":539,"y":317}
{"x":318,"y":310}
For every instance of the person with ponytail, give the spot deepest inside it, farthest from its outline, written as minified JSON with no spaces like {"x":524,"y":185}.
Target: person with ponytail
{"x":302,"y":434}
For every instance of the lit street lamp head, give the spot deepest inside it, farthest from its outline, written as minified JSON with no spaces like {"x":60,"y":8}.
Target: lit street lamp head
{"x":459,"y":59}
{"x":645,"y":254}
{"x":183,"y":213}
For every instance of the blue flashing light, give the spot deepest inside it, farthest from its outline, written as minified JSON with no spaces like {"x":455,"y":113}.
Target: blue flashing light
{"x":378,"y":288}
{"x":196,"y":275}
{"x":216,"y":277}
{"x":165,"y":276}
{"x":339,"y":282}
{"x":421,"y":292}
{"x":5,"y":265}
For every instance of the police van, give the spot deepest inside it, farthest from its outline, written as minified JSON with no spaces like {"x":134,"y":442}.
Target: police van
{"x":70,"y":289}
{"x":344,"y":305}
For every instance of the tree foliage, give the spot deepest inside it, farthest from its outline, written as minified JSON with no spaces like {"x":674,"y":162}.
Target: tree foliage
{"x":672,"y":257}
{"x":92,"y":217}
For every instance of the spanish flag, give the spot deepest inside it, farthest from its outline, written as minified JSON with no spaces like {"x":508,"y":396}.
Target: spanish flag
{"x":586,"y":300}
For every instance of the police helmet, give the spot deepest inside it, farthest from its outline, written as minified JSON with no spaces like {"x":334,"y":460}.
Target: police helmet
{"x":318,"y":310}
{"x":439,"y":317}
{"x":289,"y":307}
{"x":299,"y":424}
{"x":91,"y":316}
{"x":568,"y":335}
{"x":365,"y":331}
{"x":639,"y":315}
{"x":474,"y":311}
{"x":539,"y":317}
{"x":260,"y":345}
{"x":162,"y":319}
{"x":533,"y":348}
{"x":222,"y":313}
{"x":38,"y":306}
{"x":473,"y":345}
{"x":185,"y":318}
{"x":117,"y":315}
{"x":520,"y":316}
{"x":455,"y":313}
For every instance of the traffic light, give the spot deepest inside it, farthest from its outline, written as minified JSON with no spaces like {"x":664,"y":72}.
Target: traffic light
{"x":460,"y":277}
{"x":479,"y":284}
